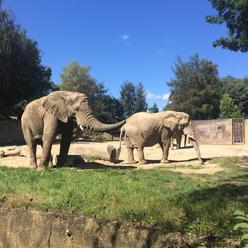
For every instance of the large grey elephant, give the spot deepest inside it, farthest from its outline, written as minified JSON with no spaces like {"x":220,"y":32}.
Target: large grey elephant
{"x":57,"y":113}
{"x":147,"y":129}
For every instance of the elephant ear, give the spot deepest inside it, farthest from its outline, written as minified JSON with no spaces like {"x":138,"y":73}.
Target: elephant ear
{"x":55,"y":105}
{"x":171,"y":122}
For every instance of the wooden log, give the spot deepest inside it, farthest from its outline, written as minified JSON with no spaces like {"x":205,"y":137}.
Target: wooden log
{"x":10,"y":153}
{"x":90,"y":153}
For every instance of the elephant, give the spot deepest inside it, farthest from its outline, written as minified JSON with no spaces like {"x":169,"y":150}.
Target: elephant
{"x":57,"y":113}
{"x":147,"y":129}
{"x":178,"y":137}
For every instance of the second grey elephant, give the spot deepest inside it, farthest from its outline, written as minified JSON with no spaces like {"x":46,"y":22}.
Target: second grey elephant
{"x":147,"y":129}
{"x":57,"y":113}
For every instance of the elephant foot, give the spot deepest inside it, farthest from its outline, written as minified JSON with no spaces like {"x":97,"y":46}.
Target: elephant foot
{"x":34,"y":166}
{"x":165,"y":161}
{"x":143,"y":162}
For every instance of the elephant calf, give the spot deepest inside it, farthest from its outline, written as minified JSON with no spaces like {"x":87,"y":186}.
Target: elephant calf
{"x":147,"y":129}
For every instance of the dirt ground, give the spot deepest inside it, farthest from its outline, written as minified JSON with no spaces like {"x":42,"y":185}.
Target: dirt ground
{"x":178,"y":158}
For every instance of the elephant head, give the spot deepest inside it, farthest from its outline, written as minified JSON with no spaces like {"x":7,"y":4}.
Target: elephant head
{"x":66,"y":105}
{"x":180,"y":121}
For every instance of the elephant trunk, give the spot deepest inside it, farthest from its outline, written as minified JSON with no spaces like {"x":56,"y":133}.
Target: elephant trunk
{"x":198,"y":153}
{"x":191,"y":134}
{"x":86,"y":119}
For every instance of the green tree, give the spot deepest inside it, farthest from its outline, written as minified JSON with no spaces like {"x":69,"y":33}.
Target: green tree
{"x":154,"y":108}
{"x":228,"y":109}
{"x":196,"y":88}
{"x":234,"y":13}
{"x":128,"y":98}
{"x":22,"y":76}
{"x":77,"y":78}
{"x":238,"y":91}
{"x":140,"y":103}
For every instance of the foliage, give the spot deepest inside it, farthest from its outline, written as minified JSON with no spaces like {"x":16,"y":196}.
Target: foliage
{"x":140,"y":104}
{"x":242,"y":225}
{"x":238,"y":91}
{"x":132,"y":98}
{"x":196,"y":88}
{"x":77,"y":78}
{"x":154,"y":108}
{"x":108,"y":109}
{"x":128,"y":98}
{"x":234,"y":13}
{"x":196,"y":203}
{"x":22,"y":76}
{"x":228,"y":109}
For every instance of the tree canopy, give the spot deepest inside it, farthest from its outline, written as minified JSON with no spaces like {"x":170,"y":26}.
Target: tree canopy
{"x":196,"y":88}
{"x":77,"y":78}
{"x":133,"y":98}
{"x":233,"y":13}
{"x":22,"y":76}
{"x":140,"y":104}
{"x":228,"y":109}
{"x":154,"y":108}
{"x":237,"y":89}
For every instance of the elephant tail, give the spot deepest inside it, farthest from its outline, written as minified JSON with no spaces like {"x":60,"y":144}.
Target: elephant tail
{"x":119,"y":149}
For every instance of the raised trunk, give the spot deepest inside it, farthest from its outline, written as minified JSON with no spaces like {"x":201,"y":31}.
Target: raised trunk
{"x":89,"y":121}
{"x":98,"y":126}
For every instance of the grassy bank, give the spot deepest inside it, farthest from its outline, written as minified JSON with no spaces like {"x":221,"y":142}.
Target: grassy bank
{"x":202,"y":204}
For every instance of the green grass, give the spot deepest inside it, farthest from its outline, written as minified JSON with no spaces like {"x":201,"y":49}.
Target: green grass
{"x":201,"y":204}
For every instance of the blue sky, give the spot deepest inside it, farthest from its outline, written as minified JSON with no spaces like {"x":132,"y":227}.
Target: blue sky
{"x":135,"y":40}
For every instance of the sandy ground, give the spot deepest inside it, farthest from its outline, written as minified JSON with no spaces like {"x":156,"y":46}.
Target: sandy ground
{"x":178,"y":158}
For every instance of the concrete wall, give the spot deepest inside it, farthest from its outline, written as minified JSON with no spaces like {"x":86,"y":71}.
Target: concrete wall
{"x":11,"y":132}
{"x":27,"y":228}
{"x":217,"y":132}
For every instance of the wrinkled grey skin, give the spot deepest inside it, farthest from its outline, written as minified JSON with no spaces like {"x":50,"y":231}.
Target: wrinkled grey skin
{"x":147,"y":129}
{"x":57,"y":113}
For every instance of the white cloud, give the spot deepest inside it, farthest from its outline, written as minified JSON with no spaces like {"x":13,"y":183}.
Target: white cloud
{"x":165,"y":96}
{"x":152,"y":96}
{"x":125,"y":37}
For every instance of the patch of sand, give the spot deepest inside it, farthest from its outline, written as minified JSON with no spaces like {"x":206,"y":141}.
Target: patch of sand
{"x":179,"y":158}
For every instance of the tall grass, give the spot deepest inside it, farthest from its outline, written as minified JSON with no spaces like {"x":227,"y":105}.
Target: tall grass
{"x":202,"y":204}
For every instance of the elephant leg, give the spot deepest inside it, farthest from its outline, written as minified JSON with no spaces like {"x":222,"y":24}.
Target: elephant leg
{"x":50,"y":158}
{"x":165,"y":151}
{"x":130,"y":157}
{"x":65,"y":145}
{"x":50,"y":130}
{"x":32,"y":145}
{"x":141,"y":155}
{"x":32,"y":152}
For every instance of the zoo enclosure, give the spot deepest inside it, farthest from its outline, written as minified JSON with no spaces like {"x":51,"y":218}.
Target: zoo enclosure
{"x":219,"y":132}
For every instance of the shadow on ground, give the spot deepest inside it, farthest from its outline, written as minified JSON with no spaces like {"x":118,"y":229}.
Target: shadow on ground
{"x":100,"y":166}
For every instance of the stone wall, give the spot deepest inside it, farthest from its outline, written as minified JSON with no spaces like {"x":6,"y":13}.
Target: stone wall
{"x":27,"y":228}
{"x":11,"y":132}
{"x":214,"y":132}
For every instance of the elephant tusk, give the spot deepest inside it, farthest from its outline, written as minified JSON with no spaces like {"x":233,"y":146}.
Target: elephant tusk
{"x":191,"y":137}
{"x":81,"y":127}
